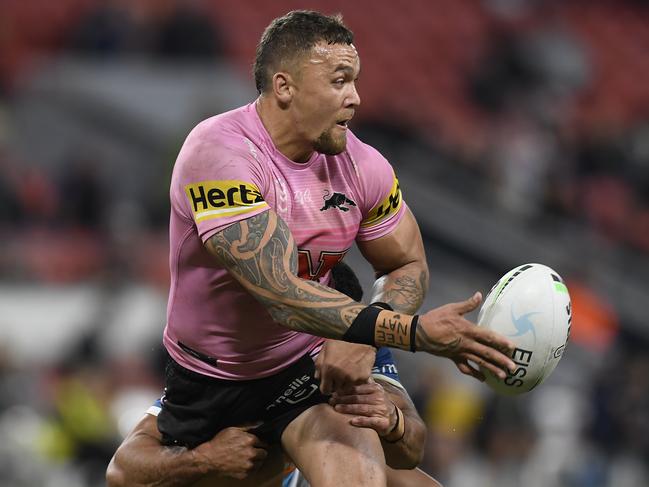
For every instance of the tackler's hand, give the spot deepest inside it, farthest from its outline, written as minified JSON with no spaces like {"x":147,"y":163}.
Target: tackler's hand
{"x":341,"y":365}
{"x":370,"y":406}
{"x":233,"y":452}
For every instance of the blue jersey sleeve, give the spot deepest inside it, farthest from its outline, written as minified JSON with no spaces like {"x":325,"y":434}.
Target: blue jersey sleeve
{"x":385,"y":368}
{"x":155,"y":408}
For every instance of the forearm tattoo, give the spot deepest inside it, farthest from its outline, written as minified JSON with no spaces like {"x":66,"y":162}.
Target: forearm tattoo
{"x":403,"y":289}
{"x":261,"y":254}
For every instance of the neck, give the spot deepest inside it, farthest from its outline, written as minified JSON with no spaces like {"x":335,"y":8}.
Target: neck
{"x":283,"y":130}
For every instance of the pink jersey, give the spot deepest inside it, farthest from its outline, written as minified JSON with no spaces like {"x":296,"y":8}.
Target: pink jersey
{"x":229,"y":170}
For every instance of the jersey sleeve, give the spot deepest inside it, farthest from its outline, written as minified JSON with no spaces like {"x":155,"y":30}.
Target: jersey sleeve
{"x":382,"y":206}
{"x":155,"y":408}
{"x":385,"y":369}
{"x":216,"y":183}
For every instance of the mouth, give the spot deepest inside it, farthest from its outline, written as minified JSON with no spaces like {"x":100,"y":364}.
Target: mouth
{"x":343,"y":123}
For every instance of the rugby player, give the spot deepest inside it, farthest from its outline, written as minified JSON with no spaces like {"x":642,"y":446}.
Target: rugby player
{"x":234,"y":453}
{"x":265,"y":199}
{"x":382,"y":404}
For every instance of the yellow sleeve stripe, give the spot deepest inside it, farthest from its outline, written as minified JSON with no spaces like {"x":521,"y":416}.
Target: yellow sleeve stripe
{"x":206,"y":215}
{"x":386,"y":208}
{"x":220,"y":199}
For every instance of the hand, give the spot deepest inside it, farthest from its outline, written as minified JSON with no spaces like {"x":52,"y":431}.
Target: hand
{"x":233,"y":452}
{"x":445,"y":332}
{"x":341,"y":365}
{"x":370,"y":405}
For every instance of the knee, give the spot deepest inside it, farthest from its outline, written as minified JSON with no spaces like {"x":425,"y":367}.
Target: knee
{"x":334,"y":427}
{"x":114,"y":476}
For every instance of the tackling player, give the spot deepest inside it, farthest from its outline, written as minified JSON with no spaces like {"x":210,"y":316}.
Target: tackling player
{"x":382,"y":404}
{"x":234,"y":453}
{"x":265,"y":199}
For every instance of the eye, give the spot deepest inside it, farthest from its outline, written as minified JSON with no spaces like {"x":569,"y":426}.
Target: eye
{"x":339,"y":81}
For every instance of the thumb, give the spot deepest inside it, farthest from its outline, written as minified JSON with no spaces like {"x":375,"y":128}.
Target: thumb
{"x":470,"y":304}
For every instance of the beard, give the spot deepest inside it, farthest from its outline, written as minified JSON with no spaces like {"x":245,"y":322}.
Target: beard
{"x":330,"y":144}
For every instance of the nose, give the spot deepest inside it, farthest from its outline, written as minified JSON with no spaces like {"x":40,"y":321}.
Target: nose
{"x":353,"y":99}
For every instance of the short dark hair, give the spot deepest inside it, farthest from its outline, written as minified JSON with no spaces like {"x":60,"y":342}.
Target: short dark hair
{"x":295,"y":34}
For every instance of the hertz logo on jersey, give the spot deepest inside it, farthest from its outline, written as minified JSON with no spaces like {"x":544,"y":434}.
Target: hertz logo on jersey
{"x":215,"y":199}
{"x":386,"y":208}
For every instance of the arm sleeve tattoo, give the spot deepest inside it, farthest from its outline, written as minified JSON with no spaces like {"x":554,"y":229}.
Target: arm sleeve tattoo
{"x":261,"y":254}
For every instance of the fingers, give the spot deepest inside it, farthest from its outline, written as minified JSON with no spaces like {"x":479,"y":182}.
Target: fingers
{"x":366,"y":422}
{"x":259,"y":443}
{"x":499,"y":364}
{"x":242,"y":434}
{"x":469,"y":305}
{"x":361,"y":394}
{"x":358,"y":409}
{"x":256,"y":459}
{"x":254,"y":439}
{"x":332,"y":384}
{"x":260,"y":455}
{"x":252,"y":464}
{"x":480,"y":362}
{"x":493,"y":340}
{"x":466,"y":369}
{"x":491,"y":357}
{"x":327,"y":385}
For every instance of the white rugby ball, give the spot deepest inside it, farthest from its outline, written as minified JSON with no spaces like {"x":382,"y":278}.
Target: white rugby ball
{"x":531,"y":306}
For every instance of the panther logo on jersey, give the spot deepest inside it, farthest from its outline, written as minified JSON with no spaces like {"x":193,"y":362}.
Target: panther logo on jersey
{"x":336,"y":200}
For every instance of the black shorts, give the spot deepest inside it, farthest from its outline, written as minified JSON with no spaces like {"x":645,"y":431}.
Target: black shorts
{"x":195,"y":407}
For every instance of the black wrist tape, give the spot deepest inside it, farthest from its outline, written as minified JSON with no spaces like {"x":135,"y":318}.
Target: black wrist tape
{"x":362,"y":328}
{"x":413,"y":333}
{"x":382,"y":305}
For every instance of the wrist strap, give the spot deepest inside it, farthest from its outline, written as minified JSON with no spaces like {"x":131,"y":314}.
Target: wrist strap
{"x":362,"y":328}
{"x":379,"y":327}
{"x":399,"y":430}
{"x":413,"y":326}
{"x":413,"y":333}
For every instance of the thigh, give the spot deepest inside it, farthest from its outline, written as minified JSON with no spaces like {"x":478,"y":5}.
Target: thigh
{"x":271,"y":474}
{"x":196,"y":407}
{"x":332,"y":453}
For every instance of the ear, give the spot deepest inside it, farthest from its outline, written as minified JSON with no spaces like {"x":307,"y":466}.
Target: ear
{"x":283,"y":87}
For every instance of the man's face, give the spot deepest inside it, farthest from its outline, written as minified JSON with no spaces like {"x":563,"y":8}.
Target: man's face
{"x":326,"y":97}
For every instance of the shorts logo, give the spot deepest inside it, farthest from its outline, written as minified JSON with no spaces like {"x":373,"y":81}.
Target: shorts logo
{"x":386,"y":208}
{"x":297,"y":391}
{"x":385,"y":369}
{"x":336,"y":200}
{"x":217,"y":199}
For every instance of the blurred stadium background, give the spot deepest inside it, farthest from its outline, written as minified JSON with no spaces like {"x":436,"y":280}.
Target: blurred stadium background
{"x":519,"y":130}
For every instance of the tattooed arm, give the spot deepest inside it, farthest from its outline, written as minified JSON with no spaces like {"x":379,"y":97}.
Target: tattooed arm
{"x":261,"y":254}
{"x":399,"y":261}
